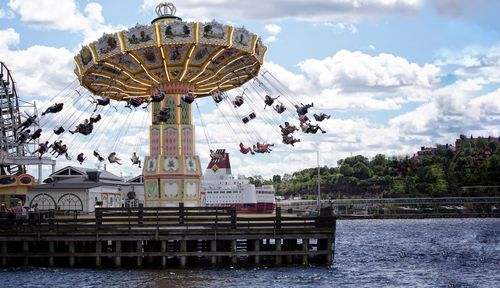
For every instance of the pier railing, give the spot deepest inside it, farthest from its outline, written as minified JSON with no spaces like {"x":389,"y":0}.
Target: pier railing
{"x":162,"y":220}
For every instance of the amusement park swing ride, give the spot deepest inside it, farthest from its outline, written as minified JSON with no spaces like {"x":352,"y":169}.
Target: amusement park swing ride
{"x":167,"y":67}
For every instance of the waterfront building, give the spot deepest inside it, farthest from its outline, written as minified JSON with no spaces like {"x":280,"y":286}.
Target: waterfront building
{"x":78,"y":189}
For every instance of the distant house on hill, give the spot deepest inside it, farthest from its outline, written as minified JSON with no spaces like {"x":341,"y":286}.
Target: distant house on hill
{"x":427,"y":151}
{"x":464,"y":139}
{"x":432,"y":151}
{"x":78,"y":189}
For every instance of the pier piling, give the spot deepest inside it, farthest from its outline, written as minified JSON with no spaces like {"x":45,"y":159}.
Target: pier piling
{"x":154,"y":236}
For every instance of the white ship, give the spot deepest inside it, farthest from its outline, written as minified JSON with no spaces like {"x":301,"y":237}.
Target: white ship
{"x":220,"y":188}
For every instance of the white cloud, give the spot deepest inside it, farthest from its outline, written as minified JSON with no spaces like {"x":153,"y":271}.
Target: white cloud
{"x":340,"y":26}
{"x":486,"y":107}
{"x":416,"y":121}
{"x":55,"y":14}
{"x":270,"y":39}
{"x":64,"y":15}
{"x":294,"y":82}
{"x":350,"y":81}
{"x":452,"y":110}
{"x":470,"y":57}
{"x":41,"y":70}
{"x":474,"y":62}
{"x":360,"y":71}
{"x":8,"y":37}
{"x":273,"y":29}
{"x":314,"y":10}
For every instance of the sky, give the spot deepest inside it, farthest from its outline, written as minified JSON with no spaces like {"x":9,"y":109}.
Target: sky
{"x":394,"y":75}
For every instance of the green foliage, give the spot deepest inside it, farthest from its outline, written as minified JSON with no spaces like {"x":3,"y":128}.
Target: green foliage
{"x":346,"y":170}
{"x":476,"y":163}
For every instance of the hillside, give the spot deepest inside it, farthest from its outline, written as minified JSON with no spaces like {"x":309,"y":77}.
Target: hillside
{"x":434,"y":172}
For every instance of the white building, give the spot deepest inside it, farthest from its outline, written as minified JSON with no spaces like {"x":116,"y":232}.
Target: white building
{"x":78,"y":189}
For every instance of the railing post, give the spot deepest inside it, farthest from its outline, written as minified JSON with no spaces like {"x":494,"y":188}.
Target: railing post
{"x":129,"y":213}
{"x":325,"y":215}
{"x":278,"y":218}
{"x":98,"y":219}
{"x":181,"y":213}
{"x":216,"y":220}
{"x":75,"y":219}
{"x":233,"y":218}
{"x":140,"y":216}
{"x":157,"y":222}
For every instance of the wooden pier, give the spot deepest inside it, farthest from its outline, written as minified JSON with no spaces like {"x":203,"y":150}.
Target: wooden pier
{"x":167,"y":237}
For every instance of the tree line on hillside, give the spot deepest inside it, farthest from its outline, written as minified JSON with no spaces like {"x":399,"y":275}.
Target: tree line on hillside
{"x":445,"y":173}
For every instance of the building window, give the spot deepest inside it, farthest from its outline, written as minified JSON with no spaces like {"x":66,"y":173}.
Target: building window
{"x":45,"y":202}
{"x":70,"y":202}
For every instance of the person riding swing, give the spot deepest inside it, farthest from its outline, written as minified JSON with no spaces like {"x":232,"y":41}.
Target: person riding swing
{"x":100,"y":102}
{"x":55,"y":146}
{"x":303,"y":109}
{"x":279,"y":108}
{"x":262,"y":148}
{"x":303,"y":119}
{"x":27,"y":123}
{"x":23,"y":136}
{"x":238,"y":101}
{"x":42,"y":149}
{"x":155,"y":99}
{"x":135,"y":160}
{"x":98,"y":156}
{"x":54,"y":108}
{"x":322,"y":116}
{"x":312,"y":129}
{"x":216,"y":157}
{"x":187,"y":98}
{"x":61,"y":149}
{"x":134,"y":102}
{"x":288,"y":129}
{"x":162,"y":115}
{"x":217,"y":96}
{"x":84,"y":128}
{"x":80,"y":158}
{"x":113,"y":159}
{"x":59,"y":130}
{"x":288,"y":139}
{"x":269,"y":101}
{"x":35,"y":134}
{"x":95,"y":119}
{"x":246,"y":150}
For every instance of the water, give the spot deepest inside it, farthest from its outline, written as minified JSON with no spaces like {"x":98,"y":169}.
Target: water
{"x":370,"y":253}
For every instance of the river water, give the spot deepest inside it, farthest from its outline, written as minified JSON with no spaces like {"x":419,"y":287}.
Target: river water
{"x":369,"y":253}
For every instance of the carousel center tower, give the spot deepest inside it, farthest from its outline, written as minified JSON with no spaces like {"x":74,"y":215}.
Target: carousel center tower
{"x":174,"y":58}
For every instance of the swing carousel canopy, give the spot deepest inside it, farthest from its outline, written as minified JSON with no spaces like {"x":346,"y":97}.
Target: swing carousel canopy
{"x":170,"y":55}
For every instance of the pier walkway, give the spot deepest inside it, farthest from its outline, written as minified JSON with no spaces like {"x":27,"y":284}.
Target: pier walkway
{"x":167,"y":237}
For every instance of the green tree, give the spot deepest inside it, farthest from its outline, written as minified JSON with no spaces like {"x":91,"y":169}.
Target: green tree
{"x":362,"y":171}
{"x":346,"y":170}
{"x":277,"y":178}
